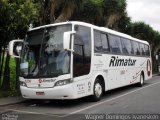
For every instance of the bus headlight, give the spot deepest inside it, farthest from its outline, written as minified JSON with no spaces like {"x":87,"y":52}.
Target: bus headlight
{"x":23,"y":84}
{"x":63,"y":82}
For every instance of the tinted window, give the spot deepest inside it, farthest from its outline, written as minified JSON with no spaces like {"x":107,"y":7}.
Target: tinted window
{"x":135,"y":48}
{"x":142,"y":49}
{"x":100,"y":42}
{"x":105,"y":46}
{"x":115,"y":44}
{"x":147,"y":51}
{"x":82,"y":51}
{"x":97,"y":42}
{"x":126,"y":46}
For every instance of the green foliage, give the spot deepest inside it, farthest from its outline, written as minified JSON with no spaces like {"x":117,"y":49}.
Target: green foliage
{"x":58,"y":10}
{"x":2,"y":71}
{"x":17,"y":15}
{"x":109,"y":13}
{"x":91,"y":12}
{"x":115,"y":10}
{"x":144,"y":31}
{"x":67,"y":8}
{"x":114,"y":6}
{"x":123,"y":23}
{"x":12,"y":66}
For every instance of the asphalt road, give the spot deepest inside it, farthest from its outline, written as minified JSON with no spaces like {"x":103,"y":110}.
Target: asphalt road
{"x":128,"y":103}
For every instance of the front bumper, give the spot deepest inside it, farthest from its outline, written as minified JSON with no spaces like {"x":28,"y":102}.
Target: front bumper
{"x":58,"y":92}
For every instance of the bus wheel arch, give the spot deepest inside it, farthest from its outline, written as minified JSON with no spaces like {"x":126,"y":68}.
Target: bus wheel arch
{"x":100,"y":85}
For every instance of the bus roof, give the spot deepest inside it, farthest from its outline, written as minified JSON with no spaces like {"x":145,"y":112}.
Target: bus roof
{"x":103,"y":29}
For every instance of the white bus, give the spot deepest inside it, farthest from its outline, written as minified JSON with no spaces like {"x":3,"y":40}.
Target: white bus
{"x":74,"y":59}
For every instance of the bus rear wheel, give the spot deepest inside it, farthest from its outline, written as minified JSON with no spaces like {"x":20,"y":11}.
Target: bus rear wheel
{"x":141,"y":83}
{"x":97,"y":90}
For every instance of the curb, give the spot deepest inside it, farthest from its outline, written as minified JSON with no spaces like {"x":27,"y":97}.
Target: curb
{"x":157,"y":74}
{"x":11,"y":101}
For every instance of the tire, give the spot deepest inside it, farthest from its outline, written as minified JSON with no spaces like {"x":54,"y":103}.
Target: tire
{"x":141,"y":83}
{"x":97,"y":90}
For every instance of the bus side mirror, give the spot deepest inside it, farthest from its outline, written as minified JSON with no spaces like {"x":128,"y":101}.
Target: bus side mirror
{"x":15,"y":47}
{"x":67,"y":40}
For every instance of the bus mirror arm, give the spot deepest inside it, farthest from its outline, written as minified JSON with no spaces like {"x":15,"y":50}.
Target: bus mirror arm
{"x":67,"y":36}
{"x":69,"y":50}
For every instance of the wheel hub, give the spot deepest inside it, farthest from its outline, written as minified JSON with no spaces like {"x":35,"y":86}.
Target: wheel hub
{"x":98,"y":90}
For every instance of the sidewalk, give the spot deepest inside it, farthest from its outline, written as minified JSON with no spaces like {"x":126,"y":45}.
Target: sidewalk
{"x":11,"y":100}
{"x":18,"y":99}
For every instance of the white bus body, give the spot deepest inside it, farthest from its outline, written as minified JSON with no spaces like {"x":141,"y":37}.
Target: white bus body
{"x":99,"y":59}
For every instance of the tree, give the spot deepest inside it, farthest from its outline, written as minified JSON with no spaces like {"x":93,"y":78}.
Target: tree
{"x":91,"y":12}
{"x":44,"y":11}
{"x":15,"y":18}
{"x":6,"y":78}
{"x":114,"y":10}
{"x":54,"y":5}
{"x":58,"y":10}
{"x":142,"y":31}
{"x":68,"y":7}
{"x":154,"y":45}
{"x":145,"y":32}
{"x":109,"y":13}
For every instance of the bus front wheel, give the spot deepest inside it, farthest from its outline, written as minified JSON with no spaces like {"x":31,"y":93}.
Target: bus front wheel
{"x":97,"y":90}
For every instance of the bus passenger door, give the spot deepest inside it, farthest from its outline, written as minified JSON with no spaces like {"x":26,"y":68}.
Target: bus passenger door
{"x":82,"y":59}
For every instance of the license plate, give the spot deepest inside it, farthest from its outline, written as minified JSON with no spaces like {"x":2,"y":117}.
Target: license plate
{"x":40,"y":93}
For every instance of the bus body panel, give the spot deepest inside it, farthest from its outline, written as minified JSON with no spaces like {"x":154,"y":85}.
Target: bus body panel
{"x":118,"y":76}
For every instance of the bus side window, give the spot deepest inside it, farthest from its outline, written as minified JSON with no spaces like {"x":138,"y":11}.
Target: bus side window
{"x":115,"y":44}
{"x":97,"y":42}
{"x":142,"y":51}
{"x":100,"y":42}
{"x":105,"y":46}
{"x":126,"y":46}
{"x":147,"y":50}
{"x":135,"y":47}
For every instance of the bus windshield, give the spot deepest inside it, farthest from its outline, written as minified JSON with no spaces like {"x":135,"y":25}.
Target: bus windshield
{"x":43,"y":54}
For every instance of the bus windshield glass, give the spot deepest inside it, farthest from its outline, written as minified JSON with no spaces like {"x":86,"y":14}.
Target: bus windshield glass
{"x":43,"y":54}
